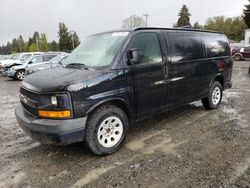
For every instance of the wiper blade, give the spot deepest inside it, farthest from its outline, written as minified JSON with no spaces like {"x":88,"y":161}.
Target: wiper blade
{"x":78,"y":65}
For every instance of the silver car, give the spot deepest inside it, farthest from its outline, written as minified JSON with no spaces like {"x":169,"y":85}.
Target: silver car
{"x":54,"y":62}
{"x":18,"y":71}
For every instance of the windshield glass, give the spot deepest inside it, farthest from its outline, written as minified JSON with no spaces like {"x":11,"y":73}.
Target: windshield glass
{"x":57,"y":59}
{"x":97,"y":50}
{"x":16,"y":57}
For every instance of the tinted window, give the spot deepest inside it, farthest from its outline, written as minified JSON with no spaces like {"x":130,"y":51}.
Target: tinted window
{"x":216,"y":45}
{"x":149,"y":45}
{"x":247,"y":49}
{"x":37,"y":59}
{"x":185,"y":46}
{"x":26,"y":56}
{"x":48,"y":57}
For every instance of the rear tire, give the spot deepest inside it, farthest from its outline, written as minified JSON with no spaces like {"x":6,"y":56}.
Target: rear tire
{"x":214,"y":97}
{"x":20,"y":75}
{"x":106,"y":130}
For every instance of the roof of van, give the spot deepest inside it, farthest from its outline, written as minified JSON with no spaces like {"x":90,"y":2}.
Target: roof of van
{"x":159,"y":28}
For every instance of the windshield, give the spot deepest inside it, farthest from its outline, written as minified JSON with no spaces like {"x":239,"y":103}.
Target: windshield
{"x":57,"y":59}
{"x":97,"y":50}
{"x":15,"y":57}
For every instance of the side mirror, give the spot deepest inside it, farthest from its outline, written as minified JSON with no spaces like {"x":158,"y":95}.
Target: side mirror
{"x":134,"y":56}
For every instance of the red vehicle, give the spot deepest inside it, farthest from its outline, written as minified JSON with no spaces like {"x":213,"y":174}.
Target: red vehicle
{"x":241,"y":53}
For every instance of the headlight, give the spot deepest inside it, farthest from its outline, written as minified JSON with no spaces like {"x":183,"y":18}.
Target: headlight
{"x":55,"y":106}
{"x":60,"y":101}
{"x":13,"y":68}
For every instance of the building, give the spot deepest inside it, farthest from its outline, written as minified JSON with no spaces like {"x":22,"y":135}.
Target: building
{"x":247,"y":37}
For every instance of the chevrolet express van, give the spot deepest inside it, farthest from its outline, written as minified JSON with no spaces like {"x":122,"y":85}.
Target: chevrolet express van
{"x":116,"y":78}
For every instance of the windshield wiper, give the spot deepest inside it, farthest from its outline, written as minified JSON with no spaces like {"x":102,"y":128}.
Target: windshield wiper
{"x":81,"y":65}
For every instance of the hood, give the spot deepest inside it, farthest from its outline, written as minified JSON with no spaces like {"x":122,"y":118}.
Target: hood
{"x":9,"y":62}
{"x":61,"y":79}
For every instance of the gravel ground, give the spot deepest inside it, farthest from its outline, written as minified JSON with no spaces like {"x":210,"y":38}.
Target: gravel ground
{"x":187,"y":147}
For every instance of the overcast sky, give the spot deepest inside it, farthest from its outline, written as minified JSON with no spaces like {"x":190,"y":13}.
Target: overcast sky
{"x":91,"y":16}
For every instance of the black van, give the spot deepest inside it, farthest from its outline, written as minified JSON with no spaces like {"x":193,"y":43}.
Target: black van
{"x":116,"y":78}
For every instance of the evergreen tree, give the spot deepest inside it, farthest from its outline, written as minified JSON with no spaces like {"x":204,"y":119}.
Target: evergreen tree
{"x":14,"y":46}
{"x":184,"y":17}
{"x":53,"y":46}
{"x":44,"y":44}
{"x":76,"y":40}
{"x":197,"y":26}
{"x":64,"y":38}
{"x":30,"y":41}
{"x":246,"y":15}
{"x":36,"y":39}
{"x":21,"y":44}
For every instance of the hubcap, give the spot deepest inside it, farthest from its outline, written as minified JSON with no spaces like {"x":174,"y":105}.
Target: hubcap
{"x":21,"y":75}
{"x":110,"y":132}
{"x":216,"y":95}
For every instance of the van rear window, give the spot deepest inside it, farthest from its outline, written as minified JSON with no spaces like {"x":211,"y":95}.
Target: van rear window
{"x":216,"y":45}
{"x":185,"y":46}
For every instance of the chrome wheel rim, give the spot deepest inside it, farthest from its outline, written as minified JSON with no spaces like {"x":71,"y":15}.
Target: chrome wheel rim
{"x":21,"y":75}
{"x":216,"y":95}
{"x":110,"y":132}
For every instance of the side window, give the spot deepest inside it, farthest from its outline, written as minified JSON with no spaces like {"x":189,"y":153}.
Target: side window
{"x":247,"y":49}
{"x":26,"y":56}
{"x":37,"y":59}
{"x":48,"y":57}
{"x":216,"y":45}
{"x":149,"y":45}
{"x":185,"y":46}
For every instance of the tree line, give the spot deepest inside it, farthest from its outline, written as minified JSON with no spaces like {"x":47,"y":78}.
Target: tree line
{"x":68,"y":39}
{"x":234,"y":27}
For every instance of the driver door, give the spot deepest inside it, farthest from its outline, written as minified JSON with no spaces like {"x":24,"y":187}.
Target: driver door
{"x":147,"y":77}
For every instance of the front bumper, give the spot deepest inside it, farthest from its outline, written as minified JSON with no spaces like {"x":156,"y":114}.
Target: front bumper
{"x":48,"y":131}
{"x":10,"y":73}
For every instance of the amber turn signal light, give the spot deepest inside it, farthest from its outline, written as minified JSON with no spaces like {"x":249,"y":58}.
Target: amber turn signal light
{"x":54,"y":114}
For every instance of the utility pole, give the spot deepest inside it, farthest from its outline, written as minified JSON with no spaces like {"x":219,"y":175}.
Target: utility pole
{"x":146,"y":18}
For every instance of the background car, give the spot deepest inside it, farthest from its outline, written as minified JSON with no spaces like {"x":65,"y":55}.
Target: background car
{"x":18,"y":71}
{"x":241,"y":53}
{"x":56,"y":61}
{"x":17,"y":59}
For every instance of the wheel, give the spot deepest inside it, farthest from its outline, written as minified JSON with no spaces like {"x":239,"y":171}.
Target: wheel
{"x":214,"y":97}
{"x":106,"y":130}
{"x":20,"y":75}
{"x":237,"y":57}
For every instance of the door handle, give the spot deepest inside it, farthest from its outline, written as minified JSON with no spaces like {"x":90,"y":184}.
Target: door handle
{"x":165,"y":71}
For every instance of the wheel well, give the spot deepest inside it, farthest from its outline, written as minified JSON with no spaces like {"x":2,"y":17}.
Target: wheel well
{"x":219,"y":79}
{"x":116,"y":102}
{"x":238,"y":54}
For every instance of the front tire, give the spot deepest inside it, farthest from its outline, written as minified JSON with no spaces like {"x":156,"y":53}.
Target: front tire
{"x":237,"y":58}
{"x":20,"y":75}
{"x":106,"y":130}
{"x":214,"y":97}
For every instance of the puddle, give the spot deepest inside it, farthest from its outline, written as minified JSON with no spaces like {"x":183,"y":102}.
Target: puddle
{"x":137,"y":144}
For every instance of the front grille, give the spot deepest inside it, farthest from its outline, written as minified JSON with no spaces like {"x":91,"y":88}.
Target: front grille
{"x":29,"y":101}
{"x":30,"y":110}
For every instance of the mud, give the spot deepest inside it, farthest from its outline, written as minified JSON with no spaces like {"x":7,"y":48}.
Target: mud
{"x":187,"y":147}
